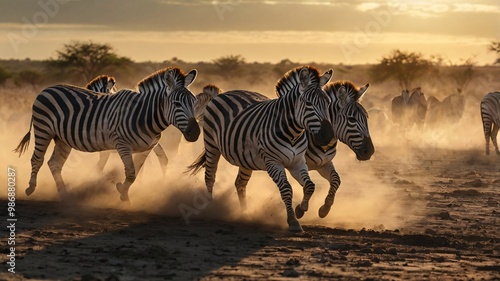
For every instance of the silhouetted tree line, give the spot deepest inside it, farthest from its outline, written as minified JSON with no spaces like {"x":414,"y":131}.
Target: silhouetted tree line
{"x":78,"y":62}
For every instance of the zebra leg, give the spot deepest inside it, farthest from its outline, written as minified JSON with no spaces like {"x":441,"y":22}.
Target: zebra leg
{"x":494,"y":133}
{"x":487,"y":135}
{"x":162,"y":157}
{"x":277,"y":173}
{"x":328,"y":172}
{"x":212,"y":161}
{"x":56,"y":162}
{"x":41,"y":145}
{"x":103,"y":159}
{"x":301,"y":174}
{"x":139,"y":160}
{"x":130,"y":173}
{"x":241,"y":186}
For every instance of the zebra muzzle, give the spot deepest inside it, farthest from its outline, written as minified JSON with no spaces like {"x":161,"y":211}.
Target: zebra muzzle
{"x":366,"y":150}
{"x":325,"y":133}
{"x":192,"y":131}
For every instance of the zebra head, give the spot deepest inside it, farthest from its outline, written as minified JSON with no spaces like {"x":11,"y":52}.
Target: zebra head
{"x":102,"y":84}
{"x":311,"y":108}
{"x":202,"y":99}
{"x":349,"y":117}
{"x":179,"y":102}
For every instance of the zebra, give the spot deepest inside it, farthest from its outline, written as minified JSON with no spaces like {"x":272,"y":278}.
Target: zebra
{"x":409,"y":109}
{"x":128,"y":121}
{"x":106,"y":84}
{"x":448,"y":111}
{"x":417,"y":108}
{"x":268,"y":135}
{"x":490,"y":116}
{"x":398,"y":105}
{"x":350,"y":125}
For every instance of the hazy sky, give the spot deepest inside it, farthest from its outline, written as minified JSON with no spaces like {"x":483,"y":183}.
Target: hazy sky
{"x":348,"y":32}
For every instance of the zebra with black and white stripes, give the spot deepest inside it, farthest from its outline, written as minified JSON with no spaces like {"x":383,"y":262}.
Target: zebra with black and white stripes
{"x":490,"y":116}
{"x":265,"y":135}
{"x":128,"y":121}
{"x":105,"y":84}
{"x":350,"y":125}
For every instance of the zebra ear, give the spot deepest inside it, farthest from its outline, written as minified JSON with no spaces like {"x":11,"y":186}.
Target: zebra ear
{"x":406,"y":96}
{"x":110,"y":85}
{"x":169,"y":80}
{"x":342,"y":96}
{"x":362,"y":91}
{"x":190,"y":77}
{"x":304,"y":79}
{"x":326,"y":77}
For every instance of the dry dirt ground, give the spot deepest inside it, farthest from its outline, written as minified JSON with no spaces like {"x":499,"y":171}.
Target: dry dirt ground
{"x":437,"y":217}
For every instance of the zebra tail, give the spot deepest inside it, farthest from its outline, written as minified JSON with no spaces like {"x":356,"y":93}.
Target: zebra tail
{"x":198,"y":164}
{"x":23,"y":145}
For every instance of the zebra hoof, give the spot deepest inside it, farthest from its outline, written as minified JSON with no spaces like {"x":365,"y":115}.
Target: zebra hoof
{"x":323,"y":211}
{"x":122,"y":191}
{"x":124,"y":198}
{"x":30,"y":190}
{"x":299,"y":213}
{"x":295,"y":227}
{"x":64,"y":195}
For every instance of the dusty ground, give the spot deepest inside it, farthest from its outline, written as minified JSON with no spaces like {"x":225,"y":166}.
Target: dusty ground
{"x":445,"y":226}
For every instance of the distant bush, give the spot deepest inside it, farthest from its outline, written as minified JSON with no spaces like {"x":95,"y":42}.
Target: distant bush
{"x":4,"y":75}
{"x":228,"y":65}
{"x":495,"y":47}
{"x":88,"y":59}
{"x":405,"y":67}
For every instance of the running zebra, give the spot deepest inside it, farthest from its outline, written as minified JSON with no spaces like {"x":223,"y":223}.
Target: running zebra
{"x":106,"y":85}
{"x":268,"y":135}
{"x":350,"y":125}
{"x":490,"y":115}
{"x":128,"y":121}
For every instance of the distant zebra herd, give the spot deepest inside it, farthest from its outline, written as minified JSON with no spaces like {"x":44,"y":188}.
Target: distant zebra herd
{"x":297,"y":131}
{"x":413,"y":109}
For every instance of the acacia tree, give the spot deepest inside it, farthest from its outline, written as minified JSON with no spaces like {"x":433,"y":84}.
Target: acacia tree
{"x":463,"y":74}
{"x":495,"y":47}
{"x":229,"y":64}
{"x":403,"y":66}
{"x":88,"y":59}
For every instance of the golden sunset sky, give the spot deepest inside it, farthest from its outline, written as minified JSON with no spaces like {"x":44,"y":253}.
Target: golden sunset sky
{"x":348,"y":32}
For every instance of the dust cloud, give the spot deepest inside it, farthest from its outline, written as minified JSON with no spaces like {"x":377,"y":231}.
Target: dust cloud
{"x":369,"y":196}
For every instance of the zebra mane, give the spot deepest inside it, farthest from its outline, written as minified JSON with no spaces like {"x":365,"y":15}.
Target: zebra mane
{"x":292,"y":79}
{"x":158,"y":77}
